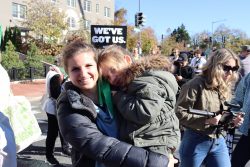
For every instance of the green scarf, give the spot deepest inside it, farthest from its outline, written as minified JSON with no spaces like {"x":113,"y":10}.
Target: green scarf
{"x":104,"y":96}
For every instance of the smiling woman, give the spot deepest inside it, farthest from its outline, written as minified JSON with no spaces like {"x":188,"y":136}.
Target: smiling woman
{"x":82,"y":70}
{"x":86,"y":119}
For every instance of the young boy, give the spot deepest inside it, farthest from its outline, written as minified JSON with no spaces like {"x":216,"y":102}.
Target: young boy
{"x":146,"y":99}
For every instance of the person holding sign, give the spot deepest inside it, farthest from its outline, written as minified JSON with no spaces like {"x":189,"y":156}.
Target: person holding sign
{"x":87,"y":120}
{"x":145,"y":98}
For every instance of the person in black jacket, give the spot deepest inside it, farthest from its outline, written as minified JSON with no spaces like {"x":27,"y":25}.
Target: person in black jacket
{"x":91,"y":128}
{"x":183,"y":71}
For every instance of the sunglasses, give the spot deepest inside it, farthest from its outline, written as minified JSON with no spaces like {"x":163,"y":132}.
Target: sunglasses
{"x":228,"y":68}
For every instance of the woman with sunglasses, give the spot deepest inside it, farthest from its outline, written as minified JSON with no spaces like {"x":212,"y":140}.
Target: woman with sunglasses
{"x":202,"y":143}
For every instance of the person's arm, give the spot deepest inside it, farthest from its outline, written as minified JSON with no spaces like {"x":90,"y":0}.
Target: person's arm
{"x":192,"y":63}
{"x":78,"y":127}
{"x":55,"y":86}
{"x":57,"y":69}
{"x":188,"y":97}
{"x":240,"y":91}
{"x":143,"y":100}
{"x":202,"y":62}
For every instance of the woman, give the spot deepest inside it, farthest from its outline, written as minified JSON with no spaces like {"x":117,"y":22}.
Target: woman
{"x":83,"y":122}
{"x":241,"y":153}
{"x":201,"y":142}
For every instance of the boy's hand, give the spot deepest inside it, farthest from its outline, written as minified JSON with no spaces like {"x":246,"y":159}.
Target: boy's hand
{"x":172,"y":161}
{"x":178,"y":77}
{"x":56,"y":69}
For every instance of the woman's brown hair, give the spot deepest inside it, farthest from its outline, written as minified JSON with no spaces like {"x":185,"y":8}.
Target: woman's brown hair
{"x":75,"y":47}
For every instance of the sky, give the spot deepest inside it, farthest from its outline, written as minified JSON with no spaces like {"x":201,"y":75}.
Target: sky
{"x":196,"y":15}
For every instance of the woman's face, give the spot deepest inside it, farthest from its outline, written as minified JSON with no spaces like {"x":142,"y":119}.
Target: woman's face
{"x":229,"y":68}
{"x":83,"y":73}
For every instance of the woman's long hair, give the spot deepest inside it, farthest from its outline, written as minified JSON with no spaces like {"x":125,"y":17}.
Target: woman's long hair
{"x":213,"y":72}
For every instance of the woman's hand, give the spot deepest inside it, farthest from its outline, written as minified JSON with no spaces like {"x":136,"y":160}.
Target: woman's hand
{"x":214,"y":120}
{"x":238,"y":120}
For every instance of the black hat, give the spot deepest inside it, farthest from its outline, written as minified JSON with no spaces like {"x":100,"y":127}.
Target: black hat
{"x":245,"y":48}
{"x":183,"y":57}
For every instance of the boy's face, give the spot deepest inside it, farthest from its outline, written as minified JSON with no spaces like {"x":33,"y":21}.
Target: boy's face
{"x":183,"y":63}
{"x":110,"y":70}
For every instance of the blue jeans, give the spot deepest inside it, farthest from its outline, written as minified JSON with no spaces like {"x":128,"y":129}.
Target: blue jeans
{"x":197,"y":149}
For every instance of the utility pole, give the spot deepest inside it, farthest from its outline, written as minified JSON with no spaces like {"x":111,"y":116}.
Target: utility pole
{"x":213,"y":22}
{"x":139,"y":48}
{"x":139,"y":23}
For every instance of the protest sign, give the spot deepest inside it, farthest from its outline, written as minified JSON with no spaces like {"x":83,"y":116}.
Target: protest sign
{"x":103,"y":35}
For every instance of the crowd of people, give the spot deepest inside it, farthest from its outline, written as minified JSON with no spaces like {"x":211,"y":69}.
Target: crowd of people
{"x":118,"y":110}
{"x":139,"y":108}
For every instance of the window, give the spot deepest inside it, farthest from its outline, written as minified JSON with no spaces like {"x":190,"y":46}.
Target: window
{"x":106,"y":11}
{"x":19,"y":11}
{"x":97,"y":8}
{"x":71,"y":22}
{"x":87,"y":5}
{"x":87,"y":24}
{"x":71,"y":3}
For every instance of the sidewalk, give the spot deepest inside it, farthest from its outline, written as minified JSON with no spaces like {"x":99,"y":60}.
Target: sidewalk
{"x":29,"y":89}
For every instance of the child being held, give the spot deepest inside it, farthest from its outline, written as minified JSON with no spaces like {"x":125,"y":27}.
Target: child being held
{"x":146,"y":99}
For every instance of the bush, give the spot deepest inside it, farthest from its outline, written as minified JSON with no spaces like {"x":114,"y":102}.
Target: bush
{"x":34,"y":59}
{"x":10,"y":58}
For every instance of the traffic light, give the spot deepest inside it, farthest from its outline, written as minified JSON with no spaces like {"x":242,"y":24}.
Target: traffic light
{"x":139,"y":19}
{"x":223,"y":39}
{"x":210,"y":39}
{"x":136,"y":22}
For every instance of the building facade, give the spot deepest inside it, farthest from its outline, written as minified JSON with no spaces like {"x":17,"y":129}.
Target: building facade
{"x":80,"y":13}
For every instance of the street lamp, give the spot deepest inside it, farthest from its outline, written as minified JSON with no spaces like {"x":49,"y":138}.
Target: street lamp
{"x":213,"y":22}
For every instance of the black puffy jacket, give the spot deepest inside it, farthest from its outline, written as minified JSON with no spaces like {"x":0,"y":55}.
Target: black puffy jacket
{"x":76,"y":117}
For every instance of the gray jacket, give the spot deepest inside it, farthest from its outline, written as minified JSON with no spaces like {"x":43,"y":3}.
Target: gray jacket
{"x":147,"y":105}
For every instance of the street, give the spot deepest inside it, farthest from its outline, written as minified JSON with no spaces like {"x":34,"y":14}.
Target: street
{"x":34,"y":155}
